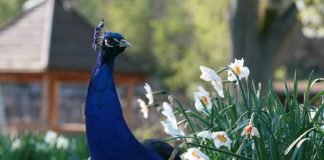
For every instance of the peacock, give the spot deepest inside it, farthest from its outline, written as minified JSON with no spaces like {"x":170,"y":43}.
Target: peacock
{"x":108,"y":135}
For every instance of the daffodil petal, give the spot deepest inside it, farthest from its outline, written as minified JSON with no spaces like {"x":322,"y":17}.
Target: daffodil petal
{"x":204,"y":134}
{"x":144,"y":108}
{"x":193,"y":154}
{"x":171,"y":128}
{"x":149,"y":93}
{"x":200,"y":95}
{"x":255,"y":132}
{"x":245,"y":72}
{"x":219,"y":88}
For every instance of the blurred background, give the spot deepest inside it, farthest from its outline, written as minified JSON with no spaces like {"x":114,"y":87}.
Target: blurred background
{"x":46,"y":55}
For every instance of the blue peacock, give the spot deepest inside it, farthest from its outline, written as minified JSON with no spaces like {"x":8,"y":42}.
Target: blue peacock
{"x":108,"y":135}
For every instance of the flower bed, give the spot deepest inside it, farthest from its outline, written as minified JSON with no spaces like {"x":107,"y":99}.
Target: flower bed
{"x":49,"y":146}
{"x":234,"y":121}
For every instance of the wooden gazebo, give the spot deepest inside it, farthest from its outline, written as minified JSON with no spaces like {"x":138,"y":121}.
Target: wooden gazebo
{"x":50,"y":44}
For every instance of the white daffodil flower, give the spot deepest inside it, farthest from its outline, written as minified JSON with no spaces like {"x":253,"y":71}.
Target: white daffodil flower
{"x":16,"y":144}
{"x":221,"y":139}
{"x":144,"y":108}
{"x":204,"y":134}
{"x":300,"y":4}
{"x":194,"y":154}
{"x":171,"y":128}
{"x":50,"y":137}
{"x":238,"y":69}
{"x":168,"y":112}
{"x":312,"y":113}
{"x":208,"y":74}
{"x":62,"y":143}
{"x":322,"y":129}
{"x":250,"y":131}
{"x":258,"y":91}
{"x":202,"y":96}
{"x":170,"y":124}
{"x":310,"y":15}
{"x":149,"y":93}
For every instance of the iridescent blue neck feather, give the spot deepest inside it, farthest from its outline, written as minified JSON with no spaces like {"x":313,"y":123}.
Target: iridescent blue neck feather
{"x":107,"y":133}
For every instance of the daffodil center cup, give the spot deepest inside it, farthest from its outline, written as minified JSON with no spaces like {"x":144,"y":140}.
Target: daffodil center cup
{"x":237,"y":69}
{"x":195,"y":154}
{"x":204,"y":99}
{"x":249,"y":129}
{"x":222,"y":138}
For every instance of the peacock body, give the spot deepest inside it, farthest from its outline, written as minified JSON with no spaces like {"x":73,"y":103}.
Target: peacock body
{"x":108,"y":135}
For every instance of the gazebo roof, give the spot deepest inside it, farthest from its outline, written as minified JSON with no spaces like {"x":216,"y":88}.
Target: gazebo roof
{"x":49,"y":37}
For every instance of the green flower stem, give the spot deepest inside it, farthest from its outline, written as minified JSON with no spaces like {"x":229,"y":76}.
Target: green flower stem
{"x":186,"y":116}
{"x":160,"y":92}
{"x":244,"y":96}
{"x":222,"y":70}
{"x":242,"y":90}
{"x":241,"y":146}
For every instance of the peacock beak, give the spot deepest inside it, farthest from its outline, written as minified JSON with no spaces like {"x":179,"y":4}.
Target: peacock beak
{"x":124,"y":43}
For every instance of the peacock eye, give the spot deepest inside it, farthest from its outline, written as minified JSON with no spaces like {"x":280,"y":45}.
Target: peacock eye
{"x":109,"y":43}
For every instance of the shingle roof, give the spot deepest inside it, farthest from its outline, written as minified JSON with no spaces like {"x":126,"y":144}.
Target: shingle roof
{"x":49,"y":37}
{"x":23,"y":40}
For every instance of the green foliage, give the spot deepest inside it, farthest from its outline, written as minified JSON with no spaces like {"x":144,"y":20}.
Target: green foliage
{"x":288,"y":129}
{"x":8,"y":9}
{"x":311,"y":16}
{"x":34,"y":146}
{"x":168,"y":36}
{"x":131,"y":18}
{"x":188,"y":34}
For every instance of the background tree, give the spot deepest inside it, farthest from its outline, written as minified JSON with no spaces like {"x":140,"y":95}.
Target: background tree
{"x":8,"y":9}
{"x":258,"y":31}
{"x":128,"y":17}
{"x":177,"y":36}
{"x":194,"y":33}
{"x":172,"y":38}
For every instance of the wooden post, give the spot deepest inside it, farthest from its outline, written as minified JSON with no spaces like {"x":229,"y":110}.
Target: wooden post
{"x":128,"y":101}
{"x":53,"y":103}
{"x":45,"y":101}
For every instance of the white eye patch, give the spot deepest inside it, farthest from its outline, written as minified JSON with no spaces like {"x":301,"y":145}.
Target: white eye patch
{"x":116,"y":40}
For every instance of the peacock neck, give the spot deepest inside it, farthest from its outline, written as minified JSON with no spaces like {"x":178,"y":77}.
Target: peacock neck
{"x":107,"y":132}
{"x":105,"y":62}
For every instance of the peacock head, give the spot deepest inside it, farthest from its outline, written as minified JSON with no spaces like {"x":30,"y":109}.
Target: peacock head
{"x":113,"y":44}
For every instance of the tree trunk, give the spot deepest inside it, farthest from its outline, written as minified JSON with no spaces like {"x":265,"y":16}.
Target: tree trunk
{"x":259,"y":44}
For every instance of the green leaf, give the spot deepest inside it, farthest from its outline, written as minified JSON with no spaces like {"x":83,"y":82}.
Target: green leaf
{"x":293,"y":157}
{"x":297,"y":140}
